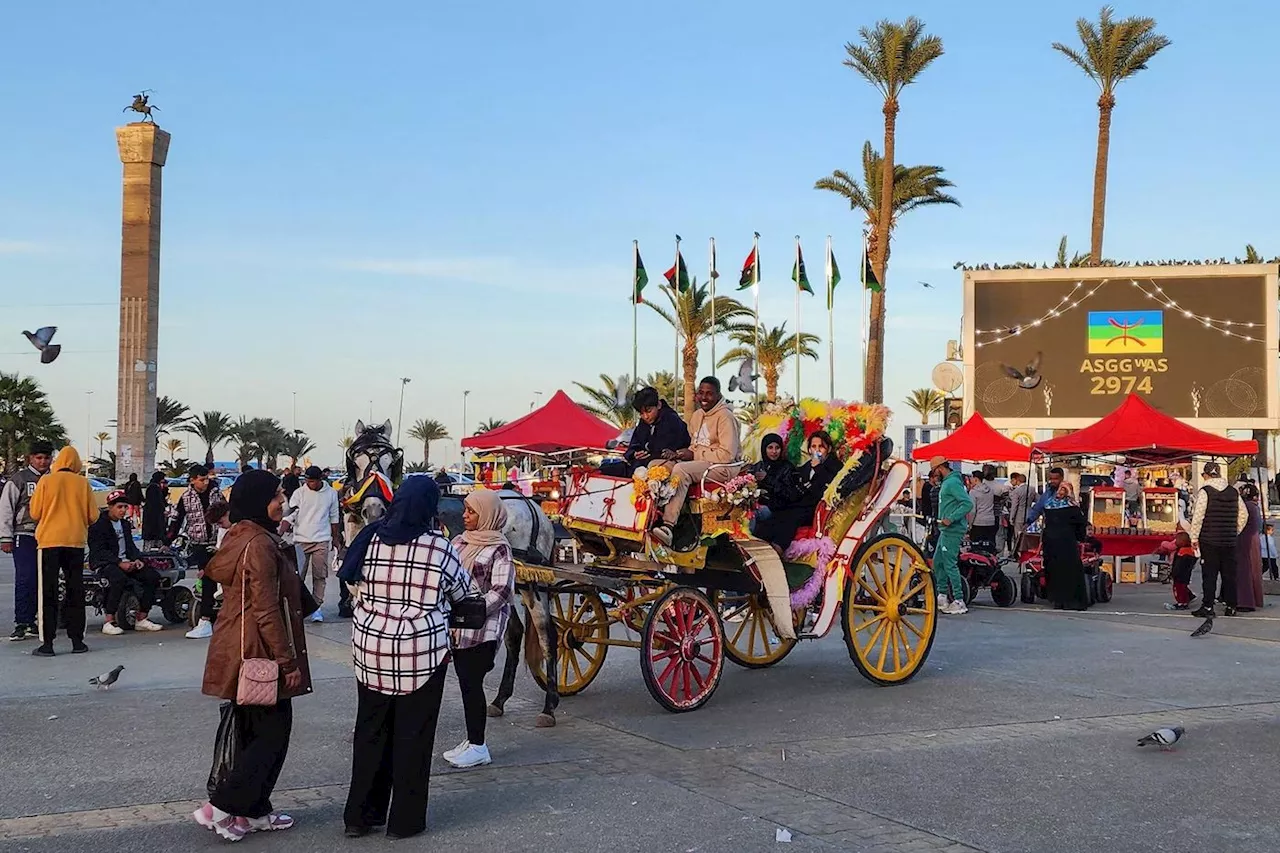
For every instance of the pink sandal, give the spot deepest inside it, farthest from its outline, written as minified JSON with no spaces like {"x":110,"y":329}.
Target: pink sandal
{"x":230,"y":827}
{"x":272,"y":822}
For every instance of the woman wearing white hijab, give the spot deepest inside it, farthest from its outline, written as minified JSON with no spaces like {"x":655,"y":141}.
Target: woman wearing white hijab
{"x":486,"y":554}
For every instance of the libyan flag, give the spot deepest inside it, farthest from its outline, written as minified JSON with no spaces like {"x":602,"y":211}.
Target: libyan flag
{"x":678,"y":281}
{"x":750,"y":271}
{"x":869,"y":280}
{"x":639,"y":280}
{"x":798,"y":275}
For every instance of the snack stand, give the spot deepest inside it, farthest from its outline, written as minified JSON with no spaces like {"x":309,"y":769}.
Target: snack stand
{"x":1160,"y":510}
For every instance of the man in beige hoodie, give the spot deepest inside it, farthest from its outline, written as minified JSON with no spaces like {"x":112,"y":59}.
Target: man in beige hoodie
{"x":715,"y":441}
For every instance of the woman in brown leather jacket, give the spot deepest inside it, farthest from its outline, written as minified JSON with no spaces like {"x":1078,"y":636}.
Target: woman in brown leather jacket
{"x":261,"y":617}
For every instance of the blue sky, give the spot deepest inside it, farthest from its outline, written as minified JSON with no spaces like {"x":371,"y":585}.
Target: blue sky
{"x":449,"y":192}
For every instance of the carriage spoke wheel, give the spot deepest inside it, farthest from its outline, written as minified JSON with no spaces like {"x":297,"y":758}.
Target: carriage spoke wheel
{"x":749,"y":636}
{"x":682,"y":650}
{"x":582,"y":624}
{"x":890,"y":610}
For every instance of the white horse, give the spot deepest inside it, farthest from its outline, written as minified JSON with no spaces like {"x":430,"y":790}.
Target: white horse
{"x":374,"y":464}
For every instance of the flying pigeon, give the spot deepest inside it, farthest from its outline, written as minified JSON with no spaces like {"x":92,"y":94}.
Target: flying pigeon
{"x":926,"y":284}
{"x":622,"y":390}
{"x":104,"y":681}
{"x":40,"y":339}
{"x":1205,"y":627}
{"x":1029,"y":376}
{"x":745,"y":381}
{"x":1163,"y":738}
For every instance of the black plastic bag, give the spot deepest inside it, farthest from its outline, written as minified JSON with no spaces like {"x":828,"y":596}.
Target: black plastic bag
{"x":468,"y":613}
{"x":226,"y":746}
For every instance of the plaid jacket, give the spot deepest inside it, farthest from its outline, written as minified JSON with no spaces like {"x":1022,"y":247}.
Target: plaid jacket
{"x":400,"y":634}
{"x":191,"y":509}
{"x":495,"y":574}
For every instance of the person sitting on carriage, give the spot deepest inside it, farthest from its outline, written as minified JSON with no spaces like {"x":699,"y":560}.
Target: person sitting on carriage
{"x":660,"y":430}
{"x":805,"y":489}
{"x":715,"y":442}
{"x":773,"y":473}
{"x":116,"y":560}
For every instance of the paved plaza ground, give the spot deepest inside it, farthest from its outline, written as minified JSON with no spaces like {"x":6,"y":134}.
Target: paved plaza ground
{"x":1019,"y":735}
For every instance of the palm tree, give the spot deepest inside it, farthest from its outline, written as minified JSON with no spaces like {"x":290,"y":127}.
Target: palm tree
{"x":296,"y":445}
{"x":427,"y":431}
{"x":173,"y":446}
{"x":604,"y":404}
{"x":101,"y":437}
{"x":25,"y":416}
{"x":890,"y":57}
{"x":925,"y":402}
{"x":1110,"y":51}
{"x":776,"y":346}
{"x":104,"y":465}
{"x":169,"y":414}
{"x":346,"y":441}
{"x":491,"y":424}
{"x":1079,"y":259}
{"x":1251,"y":255}
{"x":912,"y":187}
{"x":668,"y":386}
{"x":690,"y":315}
{"x":257,"y":439}
{"x":212,"y":428}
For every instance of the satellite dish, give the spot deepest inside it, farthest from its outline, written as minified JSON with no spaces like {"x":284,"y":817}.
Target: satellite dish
{"x":947,"y":377}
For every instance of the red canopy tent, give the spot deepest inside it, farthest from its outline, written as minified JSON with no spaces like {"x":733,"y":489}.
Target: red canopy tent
{"x":561,"y":426}
{"x":975,"y":441}
{"x":1145,"y":434}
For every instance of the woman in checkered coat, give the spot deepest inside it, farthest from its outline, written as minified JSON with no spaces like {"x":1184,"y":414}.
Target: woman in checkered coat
{"x":408,"y":577}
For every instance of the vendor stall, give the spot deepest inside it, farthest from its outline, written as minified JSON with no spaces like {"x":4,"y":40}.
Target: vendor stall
{"x":1160,"y":510}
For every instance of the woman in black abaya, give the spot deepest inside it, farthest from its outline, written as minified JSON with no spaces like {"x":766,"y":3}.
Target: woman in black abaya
{"x":1064,"y":530}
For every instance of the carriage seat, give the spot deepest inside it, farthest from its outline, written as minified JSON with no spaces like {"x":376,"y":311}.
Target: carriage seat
{"x":814,"y":530}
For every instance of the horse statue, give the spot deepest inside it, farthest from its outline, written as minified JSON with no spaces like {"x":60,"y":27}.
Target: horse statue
{"x":140,"y":105}
{"x":532,"y":539}
{"x":374,"y":465}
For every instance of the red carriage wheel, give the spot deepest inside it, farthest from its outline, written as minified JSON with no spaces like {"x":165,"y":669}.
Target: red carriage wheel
{"x":682,"y":650}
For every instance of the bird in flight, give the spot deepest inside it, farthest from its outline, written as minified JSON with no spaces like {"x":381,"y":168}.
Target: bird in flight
{"x":40,"y":339}
{"x":1029,"y":376}
{"x":926,"y":284}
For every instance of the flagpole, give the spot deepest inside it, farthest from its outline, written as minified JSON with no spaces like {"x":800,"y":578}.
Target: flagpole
{"x":635,"y":310}
{"x":712,"y":275}
{"x":755,"y":299}
{"x":863,"y":275}
{"x":831,"y":322}
{"x":799,"y":278}
{"x":675,"y":292}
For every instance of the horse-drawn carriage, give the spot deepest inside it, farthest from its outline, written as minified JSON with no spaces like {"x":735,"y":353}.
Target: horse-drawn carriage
{"x":718,"y":593}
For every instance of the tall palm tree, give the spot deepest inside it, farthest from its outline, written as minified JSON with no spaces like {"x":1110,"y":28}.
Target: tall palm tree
{"x":1110,"y":51}
{"x":668,"y":386}
{"x":776,"y":346}
{"x":212,"y":428}
{"x":173,"y":446}
{"x":603,"y":402}
{"x":890,"y":57}
{"x":925,"y":402}
{"x":296,"y":445}
{"x":101,"y":438}
{"x":25,"y":415}
{"x":170,"y":414}
{"x":491,"y":424}
{"x":912,"y":187}
{"x":690,"y":315}
{"x":427,"y":431}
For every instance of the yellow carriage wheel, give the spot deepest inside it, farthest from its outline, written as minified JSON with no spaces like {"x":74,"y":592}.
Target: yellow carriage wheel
{"x":890,"y":610}
{"x":749,"y":637}
{"x":582,"y":626}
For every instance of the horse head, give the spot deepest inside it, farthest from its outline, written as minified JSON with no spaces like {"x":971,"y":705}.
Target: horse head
{"x":372,"y":451}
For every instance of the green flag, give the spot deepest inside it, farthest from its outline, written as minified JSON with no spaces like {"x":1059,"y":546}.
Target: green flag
{"x":678,"y":275}
{"x":750,"y":270}
{"x":639,"y":280}
{"x":833,"y":278}
{"x":869,"y":280}
{"x":798,"y":275}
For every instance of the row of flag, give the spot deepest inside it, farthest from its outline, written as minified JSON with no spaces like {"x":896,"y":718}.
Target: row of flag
{"x":678,"y":276}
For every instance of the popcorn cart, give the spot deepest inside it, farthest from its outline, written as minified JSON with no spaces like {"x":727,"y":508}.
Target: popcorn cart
{"x":1160,"y":510}
{"x":1106,"y":509}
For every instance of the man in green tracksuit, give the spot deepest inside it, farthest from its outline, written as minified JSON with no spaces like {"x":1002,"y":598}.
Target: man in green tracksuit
{"x":954,"y":506}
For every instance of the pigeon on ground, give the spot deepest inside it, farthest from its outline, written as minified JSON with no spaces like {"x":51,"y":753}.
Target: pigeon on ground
{"x":1029,"y":376}
{"x":104,"y":681}
{"x":745,"y":381}
{"x":40,"y":339}
{"x":1205,"y":627}
{"x":1163,"y":738}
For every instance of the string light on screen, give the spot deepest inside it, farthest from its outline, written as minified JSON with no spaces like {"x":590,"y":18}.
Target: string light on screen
{"x":1156,"y":293}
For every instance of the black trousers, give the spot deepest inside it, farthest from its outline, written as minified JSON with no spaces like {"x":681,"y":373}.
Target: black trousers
{"x":145,"y":581}
{"x":391,"y":755}
{"x":1217,"y":560}
{"x":70,"y":562}
{"x":471,"y":666}
{"x":200,"y":556}
{"x":264,"y":744}
{"x":1270,"y":567}
{"x":983,"y":534}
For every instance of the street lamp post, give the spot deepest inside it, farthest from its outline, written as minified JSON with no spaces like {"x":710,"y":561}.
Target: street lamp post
{"x":88,"y":422}
{"x":404,"y":380}
{"x":294,"y":425}
{"x":537,"y":398}
{"x":461,"y":452}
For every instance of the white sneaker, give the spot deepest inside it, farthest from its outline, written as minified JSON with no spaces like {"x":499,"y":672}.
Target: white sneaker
{"x":956,"y":608}
{"x":451,"y":754}
{"x":202,"y":631}
{"x":317,"y":616}
{"x":943,"y":602}
{"x":111,"y":629}
{"x":148,"y":625}
{"x":472,"y":756}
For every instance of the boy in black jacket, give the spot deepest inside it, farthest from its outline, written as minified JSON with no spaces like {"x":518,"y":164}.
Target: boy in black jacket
{"x":117,"y":560}
{"x":660,"y":429}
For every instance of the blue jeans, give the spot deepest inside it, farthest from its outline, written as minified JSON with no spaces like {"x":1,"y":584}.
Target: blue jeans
{"x":761,"y":513}
{"x":24,"y":580}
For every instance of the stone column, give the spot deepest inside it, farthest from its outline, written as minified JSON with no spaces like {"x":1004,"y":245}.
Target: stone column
{"x":143,"y":149}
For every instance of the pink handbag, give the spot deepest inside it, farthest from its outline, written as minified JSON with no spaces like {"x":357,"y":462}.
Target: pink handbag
{"x":259,"y":681}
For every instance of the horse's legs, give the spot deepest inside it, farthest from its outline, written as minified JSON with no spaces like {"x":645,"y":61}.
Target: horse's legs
{"x":514,"y":636}
{"x":551,"y":648}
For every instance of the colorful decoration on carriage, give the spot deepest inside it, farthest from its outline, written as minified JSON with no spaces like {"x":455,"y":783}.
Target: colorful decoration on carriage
{"x":742,"y":492}
{"x":727,"y":508}
{"x":853,"y":427}
{"x":656,"y":483}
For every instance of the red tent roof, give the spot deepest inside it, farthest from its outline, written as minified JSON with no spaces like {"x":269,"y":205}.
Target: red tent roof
{"x":1139,"y":430}
{"x":975,"y":441}
{"x":559,"y":426}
